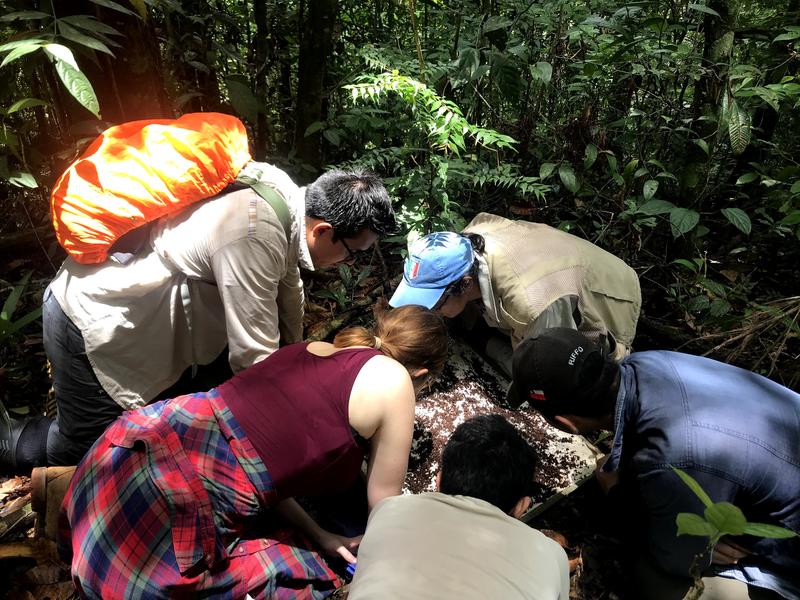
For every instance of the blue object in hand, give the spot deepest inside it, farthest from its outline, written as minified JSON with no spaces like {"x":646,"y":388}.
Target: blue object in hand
{"x":351,"y":569}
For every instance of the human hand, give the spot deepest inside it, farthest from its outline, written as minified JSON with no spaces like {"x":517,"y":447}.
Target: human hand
{"x":338,"y":545}
{"x":727,"y":552}
{"x":606,"y":480}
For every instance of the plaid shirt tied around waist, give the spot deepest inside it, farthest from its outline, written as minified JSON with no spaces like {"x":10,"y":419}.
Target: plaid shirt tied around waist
{"x":167,"y":503}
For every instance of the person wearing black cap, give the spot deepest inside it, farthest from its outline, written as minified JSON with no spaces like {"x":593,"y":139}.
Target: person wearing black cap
{"x":734,"y":431}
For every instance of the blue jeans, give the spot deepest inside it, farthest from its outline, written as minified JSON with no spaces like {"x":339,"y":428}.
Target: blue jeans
{"x":84,"y":407}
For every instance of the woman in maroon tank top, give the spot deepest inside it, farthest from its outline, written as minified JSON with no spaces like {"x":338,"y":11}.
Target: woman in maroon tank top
{"x":172,"y":499}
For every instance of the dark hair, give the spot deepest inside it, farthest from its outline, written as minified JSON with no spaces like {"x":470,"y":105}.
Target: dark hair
{"x":351,"y":201}
{"x":487,"y":458}
{"x":460,"y":285}
{"x":595,"y":397}
{"x":413,"y":335}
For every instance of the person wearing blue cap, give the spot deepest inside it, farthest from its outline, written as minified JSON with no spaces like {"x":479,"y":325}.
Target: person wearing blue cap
{"x":525,"y":277}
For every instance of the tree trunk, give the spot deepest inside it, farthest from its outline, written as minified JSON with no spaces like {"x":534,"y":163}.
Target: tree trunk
{"x":315,"y":48}
{"x":263,"y":41}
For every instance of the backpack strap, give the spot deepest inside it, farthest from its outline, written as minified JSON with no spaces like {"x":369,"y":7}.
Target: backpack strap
{"x":278,"y":204}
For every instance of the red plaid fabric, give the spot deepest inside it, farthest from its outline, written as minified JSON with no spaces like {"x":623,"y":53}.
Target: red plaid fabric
{"x":168,"y":503}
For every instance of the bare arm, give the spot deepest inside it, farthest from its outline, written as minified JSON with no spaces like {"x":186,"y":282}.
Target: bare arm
{"x":382,"y":409}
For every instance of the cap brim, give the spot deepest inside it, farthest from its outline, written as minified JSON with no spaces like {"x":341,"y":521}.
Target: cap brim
{"x":406,"y":294}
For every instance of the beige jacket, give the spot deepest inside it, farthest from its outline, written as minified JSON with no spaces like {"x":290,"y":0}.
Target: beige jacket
{"x":534,"y":276}
{"x":229,"y":255}
{"x":438,"y":546}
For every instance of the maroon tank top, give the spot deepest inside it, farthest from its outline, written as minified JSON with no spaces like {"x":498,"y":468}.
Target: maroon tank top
{"x":293,"y":406}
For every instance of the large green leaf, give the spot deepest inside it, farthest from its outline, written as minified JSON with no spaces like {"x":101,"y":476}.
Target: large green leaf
{"x":10,"y":305}
{"x":683,"y":220}
{"x":19,"y":43}
{"x":691,"y":524}
{"x":694,"y":486}
{"x":649,"y":189}
{"x":726,"y":517}
{"x":62,"y":53}
{"x":22,"y":179}
{"x":542,"y":71}
{"x":20,"y":51}
{"x":747,"y":178}
{"x":89,"y":23}
{"x":568,"y":178}
{"x":73,"y":35}
{"x":25,"y":103}
{"x":738,"y":127}
{"x":738,"y":218}
{"x":590,"y":156}
{"x":78,"y":85}
{"x":656,"y":207}
{"x":765,"y":530}
{"x":546,"y":169}
{"x":115,"y":6}
{"x":25,"y":15}
{"x":704,"y":9}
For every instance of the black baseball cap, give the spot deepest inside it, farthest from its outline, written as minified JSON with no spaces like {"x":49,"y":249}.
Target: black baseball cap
{"x":557,"y":371}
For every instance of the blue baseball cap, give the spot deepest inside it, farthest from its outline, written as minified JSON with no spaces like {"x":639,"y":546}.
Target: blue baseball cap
{"x":434,"y":262}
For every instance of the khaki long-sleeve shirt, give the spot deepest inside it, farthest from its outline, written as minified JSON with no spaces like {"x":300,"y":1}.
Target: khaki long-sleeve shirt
{"x":219,"y":273}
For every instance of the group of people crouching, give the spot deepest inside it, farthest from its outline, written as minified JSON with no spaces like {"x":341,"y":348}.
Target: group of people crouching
{"x":196,"y":495}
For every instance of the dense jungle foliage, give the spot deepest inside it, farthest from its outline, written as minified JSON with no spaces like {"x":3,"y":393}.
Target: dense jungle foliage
{"x":665,"y":131}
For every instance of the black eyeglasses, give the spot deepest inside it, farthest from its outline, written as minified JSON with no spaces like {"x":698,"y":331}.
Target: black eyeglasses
{"x":350,"y":254}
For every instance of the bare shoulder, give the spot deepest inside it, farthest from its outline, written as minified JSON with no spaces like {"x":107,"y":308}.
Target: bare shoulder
{"x":383,"y":371}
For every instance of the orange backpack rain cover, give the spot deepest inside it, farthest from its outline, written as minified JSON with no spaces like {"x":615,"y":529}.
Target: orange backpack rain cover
{"x":136,"y":172}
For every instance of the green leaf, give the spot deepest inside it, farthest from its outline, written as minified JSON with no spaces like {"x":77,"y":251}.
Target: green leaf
{"x":25,"y":15}
{"x":22,"y":179}
{"x":739,"y":219}
{"x":568,"y":178}
{"x":89,"y":23}
{"x":694,"y":486}
{"x":21,"y":51}
{"x":115,"y":6}
{"x":141,"y":7}
{"x":703,"y":146}
{"x":656,"y":207}
{"x":691,"y":524}
{"x":726,"y":517}
{"x":765,"y":530}
{"x":10,"y":305}
{"x":747,"y":178}
{"x":543,"y":71}
{"x":19,"y":43}
{"x":795,"y":189}
{"x":738,"y":128}
{"x":703,"y":9}
{"x":61,"y":53}
{"x":649,"y":189}
{"x":332,"y":135}
{"x":683,"y":220}
{"x":76,"y":36}
{"x":787,"y":37}
{"x":546,"y":169}
{"x":590,"y":156}
{"x":25,"y":103}
{"x":78,"y":85}
{"x":244,"y":102}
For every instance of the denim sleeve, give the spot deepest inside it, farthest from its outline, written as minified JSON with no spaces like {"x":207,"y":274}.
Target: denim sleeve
{"x":664,"y":495}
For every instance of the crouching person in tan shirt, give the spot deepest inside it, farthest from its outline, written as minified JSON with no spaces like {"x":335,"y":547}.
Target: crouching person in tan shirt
{"x":466,"y":540}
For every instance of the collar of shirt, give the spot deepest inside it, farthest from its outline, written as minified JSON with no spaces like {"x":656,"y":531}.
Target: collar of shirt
{"x":487,"y":293}
{"x":625,"y":400}
{"x":299,"y":209}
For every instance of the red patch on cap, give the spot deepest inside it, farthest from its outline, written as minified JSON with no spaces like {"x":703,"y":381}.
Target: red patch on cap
{"x":537,"y":395}
{"x":414,"y":270}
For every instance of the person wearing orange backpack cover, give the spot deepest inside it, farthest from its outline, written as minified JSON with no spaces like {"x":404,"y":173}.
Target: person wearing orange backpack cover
{"x":219,"y":274}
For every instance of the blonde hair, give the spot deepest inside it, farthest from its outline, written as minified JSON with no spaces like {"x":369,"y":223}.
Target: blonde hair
{"x":412,"y":335}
